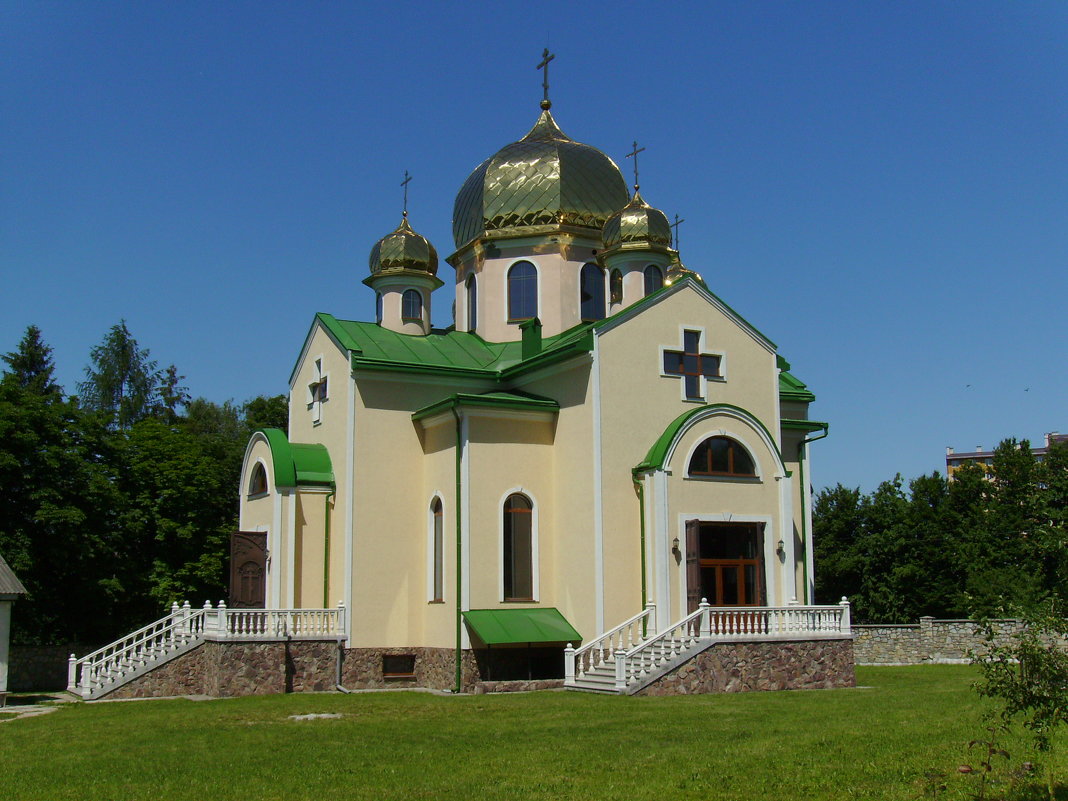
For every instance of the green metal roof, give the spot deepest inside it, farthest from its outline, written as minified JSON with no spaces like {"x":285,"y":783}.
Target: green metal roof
{"x":514,"y":626}
{"x":791,"y":388}
{"x":298,"y":463}
{"x":461,"y":353}
{"x":493,"y":400}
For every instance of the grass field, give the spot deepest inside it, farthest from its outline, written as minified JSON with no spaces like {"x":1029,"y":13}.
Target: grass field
{"x":878,"y":741}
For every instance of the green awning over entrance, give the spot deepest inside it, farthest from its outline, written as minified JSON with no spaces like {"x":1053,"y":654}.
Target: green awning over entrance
{"x":512,"y":626}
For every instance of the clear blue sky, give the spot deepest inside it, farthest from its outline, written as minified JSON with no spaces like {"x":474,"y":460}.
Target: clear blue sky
{"x":882,"y":188}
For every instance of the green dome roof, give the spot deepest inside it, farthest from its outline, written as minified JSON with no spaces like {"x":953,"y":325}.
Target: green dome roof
{"x":637,"y":222}
{"x":403,"y":249}
{"x":540,"y":183}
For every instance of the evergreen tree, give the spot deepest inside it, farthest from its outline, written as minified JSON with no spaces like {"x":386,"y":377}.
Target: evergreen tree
{"x":121,"y":382}
{"x":55,"y":501}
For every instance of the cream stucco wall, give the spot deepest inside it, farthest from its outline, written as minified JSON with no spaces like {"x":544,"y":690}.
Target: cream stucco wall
{"x":637,"y":405}
{"x":574,"y":465}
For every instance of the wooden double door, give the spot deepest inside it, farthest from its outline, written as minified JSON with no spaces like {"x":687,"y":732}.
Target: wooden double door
{"x":725,"y":564}
{"x":248,"y":570}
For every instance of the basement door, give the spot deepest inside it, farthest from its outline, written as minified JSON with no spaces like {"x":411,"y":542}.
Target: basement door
{"x":248,"y":570}
{"x":725,"y":564}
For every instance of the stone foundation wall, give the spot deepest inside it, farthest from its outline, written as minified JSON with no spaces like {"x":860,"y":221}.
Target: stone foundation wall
{"x":931,"y":641}
{"x":483,"y":687}
{"x":224,"y":669}
{"x":751,"y":666}
{"x":435,"y":668}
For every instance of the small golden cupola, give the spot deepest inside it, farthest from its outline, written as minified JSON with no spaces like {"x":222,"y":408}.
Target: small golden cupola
{"x":637,"y":251}
{"x":404,"y":268}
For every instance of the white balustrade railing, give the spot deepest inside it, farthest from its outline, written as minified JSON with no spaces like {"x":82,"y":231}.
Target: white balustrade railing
{"x":185,"y":626}
{"x":121,"y":658}
{"x":280,"y":624}
{"x":722,"y":624}
{"x":579,"y":662}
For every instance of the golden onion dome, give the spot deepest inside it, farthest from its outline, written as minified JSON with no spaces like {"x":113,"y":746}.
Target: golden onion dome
{"x":403,"y":249}
{"x":536,"y":185}
{"x":637,"y":222}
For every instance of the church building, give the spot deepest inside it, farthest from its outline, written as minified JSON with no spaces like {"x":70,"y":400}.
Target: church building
{"x":595,"y":446}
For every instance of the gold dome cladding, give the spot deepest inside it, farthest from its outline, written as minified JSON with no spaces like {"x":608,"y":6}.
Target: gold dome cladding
{"x":403,"y":249}
{"x":543,"y":181}
{"x":637,"y":222}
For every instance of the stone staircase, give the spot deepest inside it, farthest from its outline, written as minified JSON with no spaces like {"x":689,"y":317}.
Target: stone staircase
{"x":634,"y":654}
{"x":183,"y":629}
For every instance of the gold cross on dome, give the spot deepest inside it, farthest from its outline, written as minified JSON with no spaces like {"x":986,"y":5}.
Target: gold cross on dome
{"x":634,"y":155}
{"x":546,"y":57}
{"x":676,"y":225}
{"x":404,"y":183}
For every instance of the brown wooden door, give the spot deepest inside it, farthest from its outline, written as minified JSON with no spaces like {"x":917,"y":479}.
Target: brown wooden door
{"x":248,"y":570}
{"x":693,"y":566}
{"x":727,"y":565}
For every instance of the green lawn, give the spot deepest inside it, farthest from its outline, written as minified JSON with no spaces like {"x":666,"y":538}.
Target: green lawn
{"x":874,"y":742}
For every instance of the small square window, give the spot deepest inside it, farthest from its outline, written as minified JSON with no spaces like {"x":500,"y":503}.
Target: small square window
{"x":398,"y":666}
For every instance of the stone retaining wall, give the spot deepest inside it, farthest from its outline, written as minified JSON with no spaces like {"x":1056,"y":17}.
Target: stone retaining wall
{"x":435,"y":668}
{"x":930,"y":641}
{"x":518,"y":686}
{"x":727,"y":667}
{"x":223,"y":669}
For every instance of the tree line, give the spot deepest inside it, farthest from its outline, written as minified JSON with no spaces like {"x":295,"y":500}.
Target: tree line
{"x":970,"y":546}
{"x":120,"y":498}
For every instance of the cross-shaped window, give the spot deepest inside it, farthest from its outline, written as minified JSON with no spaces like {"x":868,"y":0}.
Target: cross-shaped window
{"x":317,"y":393}
{"x":691,"y":364}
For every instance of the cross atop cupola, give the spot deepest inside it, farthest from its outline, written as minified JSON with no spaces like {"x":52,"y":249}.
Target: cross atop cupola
{"x":546,"y":57}
{"x":634,"y":155}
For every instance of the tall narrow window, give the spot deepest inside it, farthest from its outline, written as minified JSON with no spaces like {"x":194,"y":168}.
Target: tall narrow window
{"x":518,"y":549}
{"x":721,"y":456}
{"x":591,"y":292}
{"x":654,"y":279}
{"x":378,"y":308}
{"x":472,"y":303}
{"x":616,"y":286}
{"x":438,"y":544}
{"x":522,"y":292}
{"x":412,"y":306}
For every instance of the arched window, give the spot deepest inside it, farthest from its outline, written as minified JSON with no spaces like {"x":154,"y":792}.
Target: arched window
{"x":654,"y":279}
{"x":518,"y":548}
{"x":615,"y":286}
{"x":591,"y":292}
{"x":721,"y":456}
{"x":472,"y":303}
{"x":522,"y":292}
{"x":257,"y":483}
{"x":378,"y":308}
{"x":437,"y":544}
{"x":412,"y":306}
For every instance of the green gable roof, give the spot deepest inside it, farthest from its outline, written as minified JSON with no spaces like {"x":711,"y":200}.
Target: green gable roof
{"x":461,"y":353}
{"x":520,"y":401}
{"x":376,"y":348}
{"x":298,"y":463}
{"x":792,"y":389}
